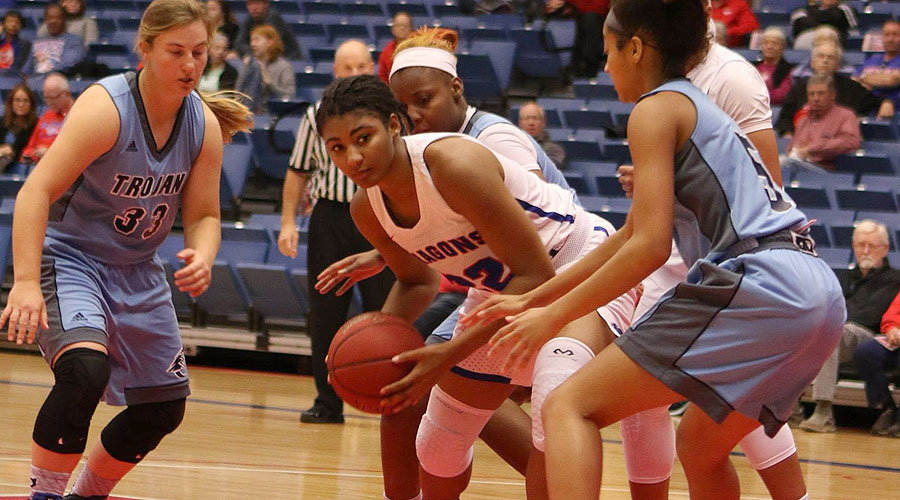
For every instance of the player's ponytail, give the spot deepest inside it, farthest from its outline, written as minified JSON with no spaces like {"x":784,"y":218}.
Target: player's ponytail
{"x":232,"y":114}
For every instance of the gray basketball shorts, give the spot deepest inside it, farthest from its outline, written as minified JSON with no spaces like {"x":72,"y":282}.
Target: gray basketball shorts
{"x":127,"y":309}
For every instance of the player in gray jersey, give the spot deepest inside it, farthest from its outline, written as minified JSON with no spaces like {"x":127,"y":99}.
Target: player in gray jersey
{"x":727,"y":339}
{"x":90,"y":288}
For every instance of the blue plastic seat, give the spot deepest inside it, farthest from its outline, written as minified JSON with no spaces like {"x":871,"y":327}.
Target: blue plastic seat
{"x":226,"y":298}
{"x":457,"y":21}
{"x":616,"y":150}
{"x":590,"y":89}
{"x":416,"y":10}
{"x":477,"y":71}
{"x":347,"y":31}
{"x":502,"y":55}
{"x":241,"y":244}
{"x":236,"y":164}
{"x":837,"y":258}
{"x":581,"y":150}
{"x":588,"y":119}
{"x":581,"y":183}
{"x":868,"y":199}
{"x":864,"y":162}
{"x":878,"y":130}
{"x":275,"y":296}
{"x":811,"y":196}
{"x":536,"y":54}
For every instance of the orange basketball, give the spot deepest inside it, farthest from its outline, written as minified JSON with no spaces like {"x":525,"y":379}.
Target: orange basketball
{"x":359,"y":359}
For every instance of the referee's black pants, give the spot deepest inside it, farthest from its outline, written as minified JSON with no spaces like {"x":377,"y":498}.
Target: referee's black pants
{"x":333,"y":236}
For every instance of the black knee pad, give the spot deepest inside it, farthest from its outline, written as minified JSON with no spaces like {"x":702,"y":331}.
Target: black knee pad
{"x":62,"y":423}
{"x":139,"y":429}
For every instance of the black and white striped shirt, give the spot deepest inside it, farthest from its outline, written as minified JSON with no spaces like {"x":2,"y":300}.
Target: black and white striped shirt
{"x":327,"y":182}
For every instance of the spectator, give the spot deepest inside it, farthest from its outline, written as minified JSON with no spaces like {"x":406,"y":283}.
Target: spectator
{"x":401,"y":27}
{"x":738,"y":19}
{"x":881,"y":72}
{"x":14,"y":50}
{"x":59,"y":101}
{"x":824,"y":131}
{"x":533,"y":121}
{"x":831,"y":12}
{"x":18,"y":122}
{"x":266,"y":74}
{"x":76,"y":23}
{"x":258,"y":12}
{"x":819,"y":35}
{"x":58,"y":51}
{"x":587,"y":53}
{"x":825,"y":59}
{"x":332,"y":235}
{"x":868,"y":290}
{"x":874,"y":358}
{"x":224,"y":20}
{"x":218,"y":74}
{"x":776,"y":72}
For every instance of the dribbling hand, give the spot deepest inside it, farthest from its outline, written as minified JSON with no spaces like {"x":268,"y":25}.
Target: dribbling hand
{"x":194,"y":278}
{"x":431,"y":364}
{"x":25,"y":310}
{"x":349,"y":270}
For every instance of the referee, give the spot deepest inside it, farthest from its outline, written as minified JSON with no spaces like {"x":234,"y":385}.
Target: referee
{"x":332,"y":236}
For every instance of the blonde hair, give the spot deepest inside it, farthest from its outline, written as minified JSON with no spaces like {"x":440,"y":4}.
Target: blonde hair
{"x":163,"y":15}
{"x":435,"y":38}
{"x":268,"y":32}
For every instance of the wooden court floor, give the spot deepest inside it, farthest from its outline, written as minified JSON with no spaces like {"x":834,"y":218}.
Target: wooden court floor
{"x":241,"y":439}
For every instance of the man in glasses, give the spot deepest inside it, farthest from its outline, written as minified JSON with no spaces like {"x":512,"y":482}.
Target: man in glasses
{"x":59,"y":101}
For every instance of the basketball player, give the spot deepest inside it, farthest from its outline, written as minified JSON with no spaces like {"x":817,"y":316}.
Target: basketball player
{"x":433,"y":93}
{"x":443,"y":202}
{"x":134,"y":148}
{"x":716,"y":351}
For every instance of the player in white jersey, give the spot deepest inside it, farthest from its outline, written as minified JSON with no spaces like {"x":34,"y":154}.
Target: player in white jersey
{"x":444,"y":202}
{"x":92,"y":291}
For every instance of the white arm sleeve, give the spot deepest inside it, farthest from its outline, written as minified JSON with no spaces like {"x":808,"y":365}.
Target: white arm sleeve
{"x":511,"y":142}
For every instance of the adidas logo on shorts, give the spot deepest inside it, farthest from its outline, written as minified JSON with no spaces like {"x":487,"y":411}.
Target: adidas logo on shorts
{"x":132,"y":147}
{"x":79,"y":317}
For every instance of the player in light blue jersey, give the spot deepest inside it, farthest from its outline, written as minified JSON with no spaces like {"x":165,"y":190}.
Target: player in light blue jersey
{"x":90,"y":289}
{"x":758,"y":313}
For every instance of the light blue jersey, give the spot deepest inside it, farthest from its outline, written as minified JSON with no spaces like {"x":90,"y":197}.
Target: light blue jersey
{"x":723,"y":192}
{"x":123,"y":205}
{"x":481,"y":120}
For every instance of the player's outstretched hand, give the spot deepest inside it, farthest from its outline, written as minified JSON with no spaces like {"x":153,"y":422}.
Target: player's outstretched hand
{"x":196,"y":275}
{"x":349,"y":270}
{"x":25,"y":310}
{"x":521,"y":339}
{"x":626,"y":179}
{"x":431,"y":364}
{"x":493,"y":308}
{"x":288,"y":238}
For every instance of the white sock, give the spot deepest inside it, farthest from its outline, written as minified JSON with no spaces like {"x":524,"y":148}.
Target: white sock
{"x":48,"y":481}
{"x":89,"y":484}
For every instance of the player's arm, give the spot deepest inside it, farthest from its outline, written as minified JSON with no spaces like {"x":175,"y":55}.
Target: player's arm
{"x":200,"y":212}
{"x":416,"y":284}
{"x":90,"y":130}
{"x":513,"y":143}
{"x":470,"y":179}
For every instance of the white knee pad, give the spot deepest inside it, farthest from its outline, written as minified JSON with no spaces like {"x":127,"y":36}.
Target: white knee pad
{"x":556,"y":361}
{"x":649,"y":441}
{"x":447,"y":434}
{"x":763,"y":452}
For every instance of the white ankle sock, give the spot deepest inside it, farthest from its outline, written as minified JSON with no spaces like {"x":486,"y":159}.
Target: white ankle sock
{"x":89,"y":484}
{"x":48,"y":481}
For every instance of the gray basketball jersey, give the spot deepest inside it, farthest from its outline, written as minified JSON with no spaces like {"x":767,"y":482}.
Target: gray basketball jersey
{"x":122,"y":206}
{"x":723,"y":192}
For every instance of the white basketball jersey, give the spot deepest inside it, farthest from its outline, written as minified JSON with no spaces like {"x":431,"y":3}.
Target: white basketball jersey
{"x":449,"y":243}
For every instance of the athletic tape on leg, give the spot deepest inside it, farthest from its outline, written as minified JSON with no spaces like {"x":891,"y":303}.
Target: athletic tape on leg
{"x":556,"y":361}
{"x":447,"y":434}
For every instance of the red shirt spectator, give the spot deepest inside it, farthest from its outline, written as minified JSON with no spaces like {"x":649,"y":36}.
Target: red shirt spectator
{"x":827,"y":129}
{"x":738,"y":19}
{"x":59,"y":101}
{"x":401,"y":27}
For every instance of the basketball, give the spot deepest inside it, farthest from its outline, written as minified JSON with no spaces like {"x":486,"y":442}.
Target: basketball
{"x":359,"y":359}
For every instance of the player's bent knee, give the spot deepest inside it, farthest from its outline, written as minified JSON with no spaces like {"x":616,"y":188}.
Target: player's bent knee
{"x":139,"y":429}
{"x":447,"y":434}
{"x":764,"y":452}
{"x":63,"y":421}
{"x":648,"y":438}
{"x":557,"y":360}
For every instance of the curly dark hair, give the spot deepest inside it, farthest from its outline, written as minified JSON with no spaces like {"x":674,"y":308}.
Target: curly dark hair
{"x":366,"y":93}
{"x":677,"y":28}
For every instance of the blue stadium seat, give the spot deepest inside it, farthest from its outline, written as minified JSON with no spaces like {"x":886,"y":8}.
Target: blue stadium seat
{"x":872,"y":21}
{"x":612,"y":209}
{"x":588,"y":119}
{"x":357,"y":10}
{"x":416,"y":10}
{"x":225,"y":298}
{"x":563,"y":33}
{"x":481,"y":82}
{"x":7,"y":205}
{"x":271,"y":161}
{"x":505,"y":21}
{"x":834,"y":180}
{"x":837,"y":258}
{"x":492,"y":34}
{"x":616,"y":150}
{"x":591,"y":89}
{"x":811,"y":196}
{"x":562,"y":103}
{"x":5,"y":248}
{"x":868,"y":199}
{"x":891,"y":182}
{"x":864,"y":162}
{"x":769,"y":18}
{"x":274,"y":294}
{"x":241,"y":244}
{"x":536,"y":56}
{"x":312,"y":79}
{"x":236,"y":165}
{"x":274,"y":257}
{"x":502,"y":54}
{"x":316,"y":8}
{"x":879,"y":130}
{"x":457,"y":21}
{"x":338,"y":32}
{"x":10,"y":184}
{"x":309,"y":30}
{"x":581,"y":150}
{"x":581,"y":183}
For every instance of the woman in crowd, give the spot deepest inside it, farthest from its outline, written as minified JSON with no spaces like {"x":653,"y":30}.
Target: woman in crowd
{"x":18,"y":122}
{"x":266,"y":74}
